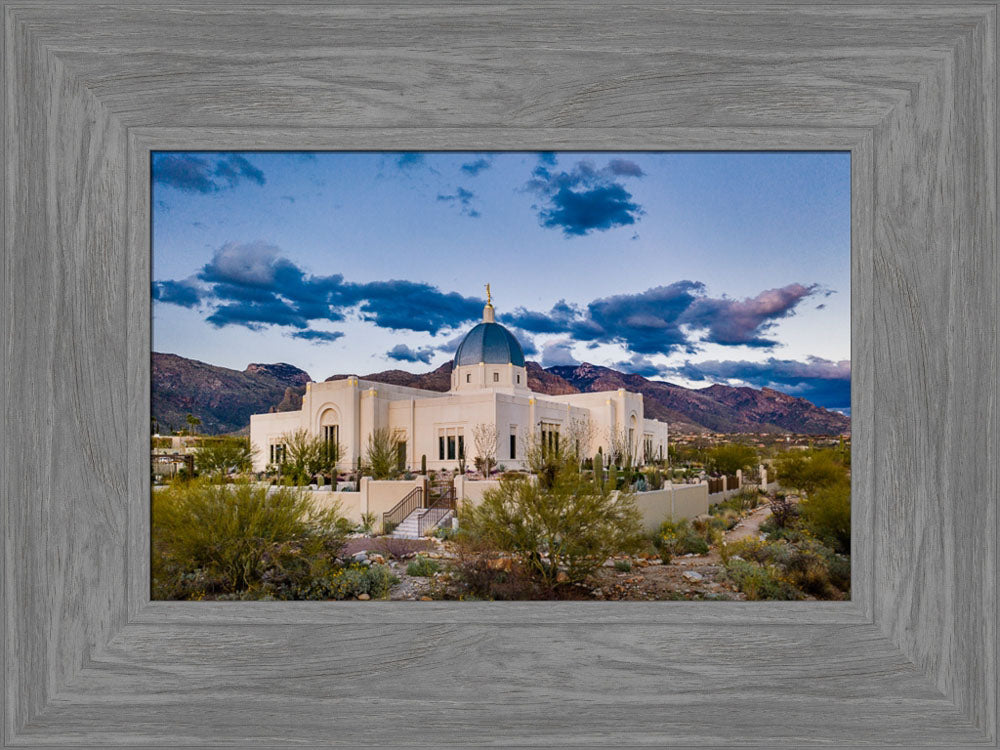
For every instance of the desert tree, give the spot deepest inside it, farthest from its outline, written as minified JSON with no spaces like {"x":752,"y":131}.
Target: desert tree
{"x":381,"y":453}
{"x":561,"y":525}
{"x":621,"y":449}
{"x":221,"y":456}
{"x":485,"y":438}
{"x":307,"y":455}
{"x":580,"y":435}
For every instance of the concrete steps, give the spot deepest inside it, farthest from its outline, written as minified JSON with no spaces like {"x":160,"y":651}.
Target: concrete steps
{"x":409,"y":526}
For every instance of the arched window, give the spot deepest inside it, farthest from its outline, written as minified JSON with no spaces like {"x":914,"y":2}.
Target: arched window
{"x":330,"y":431}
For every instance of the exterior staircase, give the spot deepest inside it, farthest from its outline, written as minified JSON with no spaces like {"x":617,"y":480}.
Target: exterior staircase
{"x":409,"y":528}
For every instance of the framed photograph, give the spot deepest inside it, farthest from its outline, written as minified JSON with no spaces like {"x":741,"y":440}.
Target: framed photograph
{"x":246,"y":256}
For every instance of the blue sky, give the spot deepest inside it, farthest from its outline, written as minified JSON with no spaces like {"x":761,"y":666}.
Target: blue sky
{"x":692,"y":267}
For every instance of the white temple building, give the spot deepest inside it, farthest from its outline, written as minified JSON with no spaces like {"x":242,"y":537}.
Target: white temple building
{"x":489,"y":386}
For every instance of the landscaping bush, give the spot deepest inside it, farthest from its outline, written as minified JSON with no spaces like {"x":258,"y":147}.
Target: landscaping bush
{"x":806,"y":565}
{"x":678,"y":538}
{"x":422,"y":566}
{"x":224,"y":455}
{"x":561,"y":527}
{"x":211,"y":539}
{"x":758,"y":581}
{"x":487,"y":573}
{"x":827,"y":514}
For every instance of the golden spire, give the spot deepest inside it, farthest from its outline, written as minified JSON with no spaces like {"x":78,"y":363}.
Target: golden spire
{"x":488,"y":315}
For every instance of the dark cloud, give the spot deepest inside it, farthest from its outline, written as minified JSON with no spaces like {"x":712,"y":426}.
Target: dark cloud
{"x":625,"y":168}
{"x":667,"y":319}
{"x":743,"y":322}
{"x":821,"y":381}
{"x":415,"y":306}
{"x":463,"y":199}
{"x":476,"y":166}
{"x":408,"y":159}
{"x":256,"y":315}
{"x":318,"y":337}
{"x":203,"y":172}
{"x":547,"y":158}
{"x":586,"y":198}
{"x":645,"y":323}
{"x":252,"y":285}
{"x":182,"y":293}
{"x":557,"y":320}
{"x":403,"y":353}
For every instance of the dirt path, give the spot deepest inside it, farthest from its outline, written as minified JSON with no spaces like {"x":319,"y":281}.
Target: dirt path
{"x":749,"y":526}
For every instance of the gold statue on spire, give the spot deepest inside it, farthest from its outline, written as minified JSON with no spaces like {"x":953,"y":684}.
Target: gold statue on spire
{"x":489,"y":299}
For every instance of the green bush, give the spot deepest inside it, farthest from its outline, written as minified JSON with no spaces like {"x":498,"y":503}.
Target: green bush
{"x":759,"y":581}
{"x":728,"y":459}
{"x":827,"y":514}
{"x":210,"y":539}
{"x":623,"y":566}
{"x":808,"y":471}
{"x":678,"y":538}
{"x":224,"y":455}
{"x":799,"y":561}
{"x":561,"y":527}
{"x":422,"y":566}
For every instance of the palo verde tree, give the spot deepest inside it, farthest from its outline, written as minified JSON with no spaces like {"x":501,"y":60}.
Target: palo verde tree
{"x":560,"y":524}
{"x":224,"y":455}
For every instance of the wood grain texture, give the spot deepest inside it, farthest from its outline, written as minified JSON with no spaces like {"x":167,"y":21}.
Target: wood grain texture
{"x":91,"y":88}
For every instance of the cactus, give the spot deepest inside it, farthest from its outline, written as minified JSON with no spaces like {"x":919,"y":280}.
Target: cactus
{"x":599,"y":468}
{"x":613,"y":477}
{"x":423,"y":464}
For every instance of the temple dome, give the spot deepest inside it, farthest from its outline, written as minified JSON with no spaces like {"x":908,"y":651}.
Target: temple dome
{"x":491,"y":343}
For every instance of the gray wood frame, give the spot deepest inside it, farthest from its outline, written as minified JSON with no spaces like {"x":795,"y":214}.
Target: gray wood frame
{"x":90,"y":88}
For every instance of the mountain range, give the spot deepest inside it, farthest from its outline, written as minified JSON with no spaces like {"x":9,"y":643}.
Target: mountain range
{"x":224,"y":399}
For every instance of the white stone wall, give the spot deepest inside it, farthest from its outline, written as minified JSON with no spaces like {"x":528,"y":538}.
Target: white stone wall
{"x":359,"y":407}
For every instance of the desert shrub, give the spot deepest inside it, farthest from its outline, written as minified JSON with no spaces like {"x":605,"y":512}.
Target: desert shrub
{"x":808,"y":471}
{"x":381,"y":454}
{"x":623,"y":566}
{"x":759,"y":581}
{"x":445,"y":533}
{"x":224,"y":455}
{"x":487,"y":573}
{"x":307,"y":455}
{"x":396,"y":548}
{"x":806,"y":565}
{"x":561,"y":527}
{"x":827,"y":514}
{"x":216,"y":539}
{"x":783,"y":512}
{"x":422,"y":566}
{"x":346,"y":582}
{"x":728,"y":459}
{"x":678,"y":538}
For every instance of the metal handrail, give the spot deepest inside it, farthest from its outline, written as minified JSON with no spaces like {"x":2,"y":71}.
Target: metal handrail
{"x":395,"y":515}
{"x":437,"y":510}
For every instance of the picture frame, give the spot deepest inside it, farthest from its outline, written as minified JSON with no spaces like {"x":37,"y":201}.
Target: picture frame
{"x":92,"y":88}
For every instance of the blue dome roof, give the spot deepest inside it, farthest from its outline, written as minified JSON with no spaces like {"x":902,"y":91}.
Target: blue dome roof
{"x":490,"y":343}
